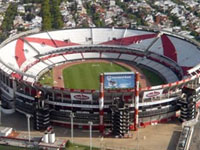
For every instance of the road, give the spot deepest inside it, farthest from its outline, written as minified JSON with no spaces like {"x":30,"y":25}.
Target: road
{"x":195,"y":142}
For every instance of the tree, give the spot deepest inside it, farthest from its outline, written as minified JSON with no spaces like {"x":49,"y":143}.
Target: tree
{"x":194,"y":33}
{"x":46,"y":16}
{"x":56,"y":17}
{"x":121,"y":4}
{"x":3,"y":36}
{"x":31,"y":1}
{"x":88,"y":7}
{"x":85,"y":24}
{"x":10,"y":14}
{"x":30,"y":16}
{"x":175,"y":20}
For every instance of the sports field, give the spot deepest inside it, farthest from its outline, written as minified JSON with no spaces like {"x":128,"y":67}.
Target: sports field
{"x":86,"y":75}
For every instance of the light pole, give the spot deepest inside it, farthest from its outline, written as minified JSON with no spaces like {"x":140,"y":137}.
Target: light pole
{"x":0,"y":114}
{"x":28,"y":116}
{"x":90,"y":123}
{"x":72,"y":126}
{"x":138,"y":145}
{"x":138,"y":140}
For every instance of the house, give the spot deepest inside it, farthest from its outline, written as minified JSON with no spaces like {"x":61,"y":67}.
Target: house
{"x":37,"y":21}
{"x":112,"y":3}
{"x":20,"y":9}
{"x":18,"y":21}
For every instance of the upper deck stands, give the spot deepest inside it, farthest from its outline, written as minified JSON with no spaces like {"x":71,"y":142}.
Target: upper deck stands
{"x":9,"y":56}
{"x":127,"y":57}
{"x":57,"y":59}
{"x":73,"y":56}
{"x":20,"y":51}
{"x":91,"y":55}
{"x":110,"y":55}
{"x":187,"y":53}
{"x":80,"y":36}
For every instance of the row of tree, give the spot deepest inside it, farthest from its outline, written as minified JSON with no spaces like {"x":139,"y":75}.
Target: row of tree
{"x":51,"y":16}
{"x":7,"y":23}
{"x":10,"y":14}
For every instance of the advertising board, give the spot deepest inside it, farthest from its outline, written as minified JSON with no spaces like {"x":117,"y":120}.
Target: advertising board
{"x":151,"y":94}
{"x":119,"y":80}
{"x":80,"y":96}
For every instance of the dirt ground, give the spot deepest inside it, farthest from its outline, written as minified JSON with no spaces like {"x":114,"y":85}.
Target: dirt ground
{"x":58,"y":79}
{"x":157,"y":137}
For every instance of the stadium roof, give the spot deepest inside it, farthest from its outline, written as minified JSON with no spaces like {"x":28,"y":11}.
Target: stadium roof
{"x":22,"y":51}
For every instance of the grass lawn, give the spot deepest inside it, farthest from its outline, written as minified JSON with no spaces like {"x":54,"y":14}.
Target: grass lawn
{"x":80,"y":147}
{"x":152,"y":77}
{"x":47,"y":78}
{"x":86,"y":75}
{"x":70,"y":146}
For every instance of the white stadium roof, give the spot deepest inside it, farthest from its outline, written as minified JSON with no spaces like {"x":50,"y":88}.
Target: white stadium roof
{"x":21,"y":52}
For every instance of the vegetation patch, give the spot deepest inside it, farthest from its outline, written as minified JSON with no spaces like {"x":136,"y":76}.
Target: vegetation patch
{"x":70,"y":146}
{"x":47,"y":78}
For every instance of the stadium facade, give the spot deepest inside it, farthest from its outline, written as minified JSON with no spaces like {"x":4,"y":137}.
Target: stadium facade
{"x":26,"y":56}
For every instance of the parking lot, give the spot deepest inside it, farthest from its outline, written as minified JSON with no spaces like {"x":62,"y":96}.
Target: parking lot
{"x":161,"y":136}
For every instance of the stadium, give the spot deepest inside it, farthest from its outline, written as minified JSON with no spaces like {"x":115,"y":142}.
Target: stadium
{"x":26,"y":57}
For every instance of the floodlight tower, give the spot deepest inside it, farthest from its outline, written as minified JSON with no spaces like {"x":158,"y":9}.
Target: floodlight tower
{"x":101,"y":103}
{"x":137,"y":84}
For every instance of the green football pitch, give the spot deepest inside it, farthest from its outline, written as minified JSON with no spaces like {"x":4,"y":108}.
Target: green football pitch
{"x":86,"y":75}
